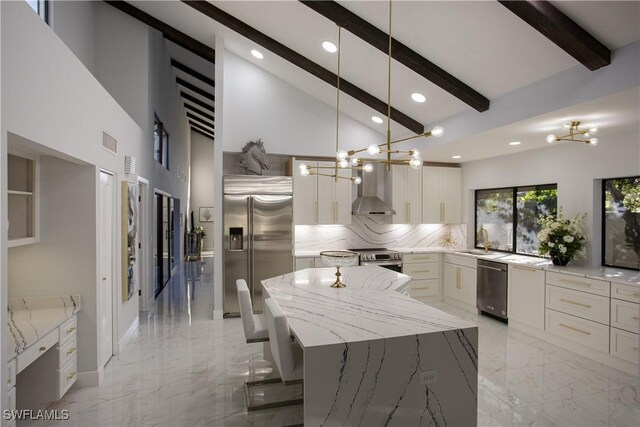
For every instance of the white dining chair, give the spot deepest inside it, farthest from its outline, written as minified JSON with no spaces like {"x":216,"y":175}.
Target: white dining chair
{"x":287,"y":355}
{"x":255,"y":329}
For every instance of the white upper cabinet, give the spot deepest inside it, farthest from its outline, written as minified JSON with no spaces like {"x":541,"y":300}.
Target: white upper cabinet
{"x":406,"y":194}
{"x":441,"y":195}
{"x":320,"y":199}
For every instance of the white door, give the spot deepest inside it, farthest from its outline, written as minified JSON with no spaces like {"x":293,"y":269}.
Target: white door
{"x":451,"y":195}
{"x":105,"y":288}
{"x":304,"y":195}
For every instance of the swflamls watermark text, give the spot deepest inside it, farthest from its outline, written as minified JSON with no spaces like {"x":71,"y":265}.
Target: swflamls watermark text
{"x":30,"y":414}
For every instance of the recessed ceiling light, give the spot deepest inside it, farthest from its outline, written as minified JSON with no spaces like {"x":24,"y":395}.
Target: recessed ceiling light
{"x":376,"y":119}
{"x":456,"y":157}
{"x":257,"y":54}
{"x":418,"y":97}
{"x":329,"y":47}
{"x":515,"y":143}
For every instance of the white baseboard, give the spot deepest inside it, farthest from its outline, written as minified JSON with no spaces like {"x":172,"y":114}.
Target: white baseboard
{"x":90,"y":378}
{"x":218,"y":314}
{"x":131,"y":333}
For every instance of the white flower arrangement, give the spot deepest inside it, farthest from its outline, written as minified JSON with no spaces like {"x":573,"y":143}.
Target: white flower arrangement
{"x":562,"y":239}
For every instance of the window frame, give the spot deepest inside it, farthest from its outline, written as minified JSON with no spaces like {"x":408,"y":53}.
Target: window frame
{"x":603,"y":217}
{"x":514,"y":234}
{"x":163,"y":143}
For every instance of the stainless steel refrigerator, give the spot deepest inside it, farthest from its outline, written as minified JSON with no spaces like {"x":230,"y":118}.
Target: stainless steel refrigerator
{"x":258,"y":234}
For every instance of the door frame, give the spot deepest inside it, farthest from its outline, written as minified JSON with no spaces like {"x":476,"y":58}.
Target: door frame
{"x":114,"y":268}
{"x":156,"y":192}
{"x":142,"y":241}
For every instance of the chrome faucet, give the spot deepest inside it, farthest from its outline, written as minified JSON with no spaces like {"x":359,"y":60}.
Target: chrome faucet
{"x":484,"y":231}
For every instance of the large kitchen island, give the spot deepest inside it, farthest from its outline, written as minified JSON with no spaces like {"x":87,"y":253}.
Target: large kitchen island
{"x":375,"y":357}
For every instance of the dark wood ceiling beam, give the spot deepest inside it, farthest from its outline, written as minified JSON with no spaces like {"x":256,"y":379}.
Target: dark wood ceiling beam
{"x":200,"y":127}
{"x":197,"y":101}
{"x":202,"y":133}
{"x":170,"y":33}
{"x":563,"y":31}
{"x":193,"y":73}
{"x":195,"y":89}
{"x":199,"y":111}
{"x":401,"y":53}
{"x":200,"y":120}
{"x":306,"y":64}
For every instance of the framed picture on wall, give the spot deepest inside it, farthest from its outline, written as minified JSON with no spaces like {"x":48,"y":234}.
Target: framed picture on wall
{"x":206,"y":214}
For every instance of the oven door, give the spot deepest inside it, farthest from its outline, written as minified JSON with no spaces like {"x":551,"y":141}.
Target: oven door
{"x":391,"y":265}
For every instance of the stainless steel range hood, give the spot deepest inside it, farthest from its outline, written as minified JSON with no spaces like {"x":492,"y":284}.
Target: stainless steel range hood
{"x":368,"y":202}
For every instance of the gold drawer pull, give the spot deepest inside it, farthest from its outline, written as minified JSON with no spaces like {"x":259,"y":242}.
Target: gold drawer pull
{"x":9,"y":381}
{"x":575,"y":329}
{"x":573,"y":282}
{"x":635,"y":294}
{"x":422,"y":271}
{"x":71,"y":329}
{"x":71,"y":375}
{"x":518,"y":267}
{"x":43,"y":348}
{"x":636,"y":348}
{"x":575,"y":303}
{"x":71,"y":350}
{"x":636,"y":318}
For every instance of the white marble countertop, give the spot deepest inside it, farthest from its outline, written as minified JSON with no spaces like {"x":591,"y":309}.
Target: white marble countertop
{"x":369,"y":308}
{"x":31,"y":318}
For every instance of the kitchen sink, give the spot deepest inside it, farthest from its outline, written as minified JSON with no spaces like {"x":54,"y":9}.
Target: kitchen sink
{"x":473,"y":252}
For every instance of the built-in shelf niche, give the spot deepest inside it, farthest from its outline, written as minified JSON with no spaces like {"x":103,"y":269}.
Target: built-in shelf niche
{"x":21,"y":186}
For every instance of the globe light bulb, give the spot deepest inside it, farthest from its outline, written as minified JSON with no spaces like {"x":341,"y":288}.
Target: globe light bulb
{"x":415,"y":162}
{"x":593,"y":141}
{"x":373,"y":149}
{"x":304,"y":172}
{"x":341,"y":155}
{"x":303,"y":166}
{"x":551,"y":138}
{"x":587,"y":134}
{"x":357,"y":180}
{"x":566,"y":125}
{"x":593,"y":130}
{"x":368,"y":168}
{"x":354,"y":161}
{"x":415,"y":153}
{"x":343,"y":163}
{"x":437,"y":131}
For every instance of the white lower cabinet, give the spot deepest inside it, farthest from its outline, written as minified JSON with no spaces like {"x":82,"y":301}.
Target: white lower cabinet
{"x":625,"y":345}
{"x":460,"y":282}
{"x":581,"y":304}
{"x":424,"y":269}
{"x":582,"y":331}
{"x":625,"y":315}
{"x":525,"y":295}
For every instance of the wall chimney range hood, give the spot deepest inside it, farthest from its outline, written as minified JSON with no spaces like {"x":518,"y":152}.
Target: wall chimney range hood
{"x":368,"y":202}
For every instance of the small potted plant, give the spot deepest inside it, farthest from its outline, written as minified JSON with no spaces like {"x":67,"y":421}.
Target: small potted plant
{"x":562,"y":239}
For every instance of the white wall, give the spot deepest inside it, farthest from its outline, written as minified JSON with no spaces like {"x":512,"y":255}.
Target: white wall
{"x":202,"y":182}
{"x":574,"y":167}
{"x":74,"y":23}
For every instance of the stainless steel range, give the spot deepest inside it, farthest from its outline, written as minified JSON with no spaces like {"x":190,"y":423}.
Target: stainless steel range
{"x":381,"y":257}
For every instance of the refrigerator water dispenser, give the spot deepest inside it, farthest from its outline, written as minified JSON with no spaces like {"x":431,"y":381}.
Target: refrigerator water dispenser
{"x":235,"y":238}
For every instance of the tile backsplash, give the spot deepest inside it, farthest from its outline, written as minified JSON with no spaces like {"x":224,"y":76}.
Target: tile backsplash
{"x":365,"y":231}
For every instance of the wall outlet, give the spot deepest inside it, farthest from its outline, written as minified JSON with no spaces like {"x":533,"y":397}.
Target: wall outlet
{"x":428,"y":377}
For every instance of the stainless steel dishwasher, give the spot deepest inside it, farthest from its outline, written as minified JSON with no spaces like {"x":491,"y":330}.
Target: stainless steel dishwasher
{"x":492,"y":288}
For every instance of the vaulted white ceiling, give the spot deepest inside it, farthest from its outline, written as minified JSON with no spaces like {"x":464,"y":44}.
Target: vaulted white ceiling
{"x":479,"y":42}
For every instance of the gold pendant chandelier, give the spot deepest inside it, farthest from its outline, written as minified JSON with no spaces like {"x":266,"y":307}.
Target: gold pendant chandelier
{"x":349,"y":161}
{"x":575,"y":134}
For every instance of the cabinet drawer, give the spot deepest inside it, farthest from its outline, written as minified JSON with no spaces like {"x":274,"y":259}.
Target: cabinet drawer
{"x":68,"y":330}
{"x":67,"y":351}
{"x":625,"y":292}
{"x":36,"y":350}
{"x":11,"y":373}
{"x":624,"y":345}
{"x":411,"y":258}
{"x":424,"y":288}
{"x":585,"y":332}
{"x":581,"y":304}
{"x":427,"y":270}
{"x":67,"y":376}
{"x":463,"y":260}
{"x":583,"y":284}
{"x":625,"y":315}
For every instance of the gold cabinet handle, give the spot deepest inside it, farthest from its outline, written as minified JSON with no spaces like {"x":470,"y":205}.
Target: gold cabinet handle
{"x":575,"y":329}
{"x":71,"y":329}
{"x":635,"y":294}
{"x":43,"y":348}
{"x":422,"y":271}
{"x":444,"y":211}
{"x":457,"y":277}
{"x":574,"y":282}
{"x":575,"y":303}
{"x":71,"y":350}
{"x":104,"y":278}
{"x":519,"y":267}
{"x":71,"y":375}
{"x":636,"y":318}
{"x":407,"y":212}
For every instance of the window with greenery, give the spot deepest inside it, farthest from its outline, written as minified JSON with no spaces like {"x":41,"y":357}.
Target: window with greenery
{"x":501,"y":211}
{"x":41,"y":7}
{"x":621,"y":222}
{"x":160,"y":143}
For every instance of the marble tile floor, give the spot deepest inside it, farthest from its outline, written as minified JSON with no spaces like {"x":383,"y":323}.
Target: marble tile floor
{"x":184,"y":369}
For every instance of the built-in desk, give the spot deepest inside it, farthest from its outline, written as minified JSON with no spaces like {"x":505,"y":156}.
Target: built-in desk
{"x":42,"y":348}
{"x":373,"y":356}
